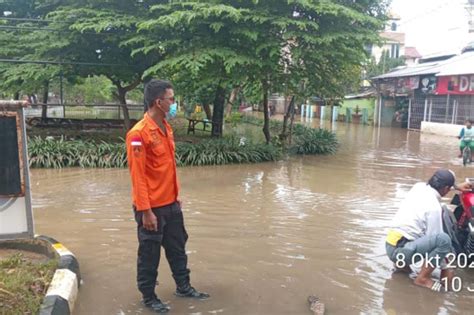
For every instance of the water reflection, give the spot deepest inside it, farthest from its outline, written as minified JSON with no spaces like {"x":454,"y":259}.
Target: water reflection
{"x":262,"y":237}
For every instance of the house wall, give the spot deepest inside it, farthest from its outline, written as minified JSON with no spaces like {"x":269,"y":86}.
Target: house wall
{"x":368,"y":103}
{"x":411,"y":61}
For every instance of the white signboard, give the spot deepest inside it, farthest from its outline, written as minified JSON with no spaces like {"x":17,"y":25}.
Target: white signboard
{"x":16,"y":217}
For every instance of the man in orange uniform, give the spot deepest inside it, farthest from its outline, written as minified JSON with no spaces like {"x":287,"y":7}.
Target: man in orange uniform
{"x":151,"y":160}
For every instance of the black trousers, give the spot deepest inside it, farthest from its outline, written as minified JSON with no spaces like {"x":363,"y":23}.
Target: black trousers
{"x":172,"y":236}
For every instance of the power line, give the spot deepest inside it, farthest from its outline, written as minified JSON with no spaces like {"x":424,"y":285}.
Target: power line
{"x":65,"y":31}
{"x":32,"y":20}
{"x":45,"y":62}
{"x":435,"y":9}
{"x":28,"y":28}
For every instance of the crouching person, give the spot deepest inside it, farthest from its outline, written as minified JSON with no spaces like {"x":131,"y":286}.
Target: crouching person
{"x":416,"y":235}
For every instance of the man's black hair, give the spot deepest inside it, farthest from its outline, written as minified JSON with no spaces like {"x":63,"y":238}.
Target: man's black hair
{"x":155,"y":89}
{"x":442,"y":178}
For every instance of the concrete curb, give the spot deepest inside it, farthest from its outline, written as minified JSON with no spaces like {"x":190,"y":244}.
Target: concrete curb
{"x":64,"y":287}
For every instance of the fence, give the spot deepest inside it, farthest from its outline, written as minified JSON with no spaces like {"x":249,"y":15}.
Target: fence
{"x":112,"y":111}
{"x":447,"y":109}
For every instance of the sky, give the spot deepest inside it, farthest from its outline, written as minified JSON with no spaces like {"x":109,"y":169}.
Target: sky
{"x":434,"y":26}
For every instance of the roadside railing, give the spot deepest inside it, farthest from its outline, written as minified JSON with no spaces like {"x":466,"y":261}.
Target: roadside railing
{"x":85,"y":111}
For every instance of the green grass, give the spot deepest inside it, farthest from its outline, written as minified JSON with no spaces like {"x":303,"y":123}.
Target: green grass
{"x":23,"y":284}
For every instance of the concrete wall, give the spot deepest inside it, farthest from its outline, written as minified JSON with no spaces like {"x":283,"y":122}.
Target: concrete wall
{"x":368,"y":103}
{"x":441,"y":129}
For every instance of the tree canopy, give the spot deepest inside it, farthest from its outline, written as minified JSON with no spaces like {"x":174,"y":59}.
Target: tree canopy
{"x":274,"y":46}
{"x":206,"y":48}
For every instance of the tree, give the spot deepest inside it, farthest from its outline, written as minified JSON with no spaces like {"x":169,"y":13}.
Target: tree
{"x":264,"y":43}
{"x":195,"y":91}
{"x":97,"y":32}
{"x":90,"y":90}
{"x":31,"y":41}
{"x":274,"y":46}
{"x":196,"y":40}
{"x":85,"y":36}
{"x":385,"y":64}
{"x":317,"y":45}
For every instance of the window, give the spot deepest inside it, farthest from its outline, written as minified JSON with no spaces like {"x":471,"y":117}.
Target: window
{"x":393,"y":27}
{"x":368,"y":49}
{"x":395,"y":51}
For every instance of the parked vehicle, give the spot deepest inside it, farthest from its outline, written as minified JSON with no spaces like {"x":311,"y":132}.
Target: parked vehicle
{"x":459,"y":224}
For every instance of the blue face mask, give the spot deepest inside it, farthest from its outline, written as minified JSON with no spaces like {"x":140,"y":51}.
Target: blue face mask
{"x":173,"y":111}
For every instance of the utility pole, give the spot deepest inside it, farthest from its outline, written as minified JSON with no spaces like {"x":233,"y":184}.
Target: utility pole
{"x":470,"y":11}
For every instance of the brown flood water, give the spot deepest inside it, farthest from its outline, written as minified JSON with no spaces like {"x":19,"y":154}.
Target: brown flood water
{"x":262,"y":237}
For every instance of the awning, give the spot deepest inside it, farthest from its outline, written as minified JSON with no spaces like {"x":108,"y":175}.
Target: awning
{"x":412,"y":70}
{"x":462,"y":64}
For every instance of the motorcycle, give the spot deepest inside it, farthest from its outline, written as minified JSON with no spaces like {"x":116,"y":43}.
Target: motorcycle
{"x":459,"y":224}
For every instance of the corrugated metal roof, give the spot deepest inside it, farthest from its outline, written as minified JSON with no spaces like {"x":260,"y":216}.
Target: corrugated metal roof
{"x":363,"y":94}
{"x":461,"y":64}
{"x":412,"y":70}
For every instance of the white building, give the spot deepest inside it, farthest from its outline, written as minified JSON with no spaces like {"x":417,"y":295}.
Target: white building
{"x":393,"y":40}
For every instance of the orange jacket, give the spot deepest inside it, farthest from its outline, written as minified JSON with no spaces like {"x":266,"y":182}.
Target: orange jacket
{"x":152,"y":164}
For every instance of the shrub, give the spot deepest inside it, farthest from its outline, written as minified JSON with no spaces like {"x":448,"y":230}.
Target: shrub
{"x":314,"y":141}
{"x":225,"y":151}
{"x":58,"y":153}
{"x":234,"y":119}
{"x":306,"y":140}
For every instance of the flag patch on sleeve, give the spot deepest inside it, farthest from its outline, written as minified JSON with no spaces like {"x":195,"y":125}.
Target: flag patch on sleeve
{"x":136,"y":142}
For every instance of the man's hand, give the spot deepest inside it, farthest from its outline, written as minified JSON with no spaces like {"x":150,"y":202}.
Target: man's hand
{"x":150,"y":221}
{"x":466,"y":186}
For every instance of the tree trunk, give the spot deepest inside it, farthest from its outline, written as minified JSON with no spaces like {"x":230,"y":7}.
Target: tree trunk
{"x":218,"y":113}
{"x":44,"y":110}
{"x":289,"y":110}
{"x":266,"y":117}
{"x":207,"y":110}
{"x":230,"y":102}
{"x":292,"y":120}
{"x":122,"y":97}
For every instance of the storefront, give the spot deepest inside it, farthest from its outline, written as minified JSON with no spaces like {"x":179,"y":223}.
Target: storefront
{"x":440,"y":92}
